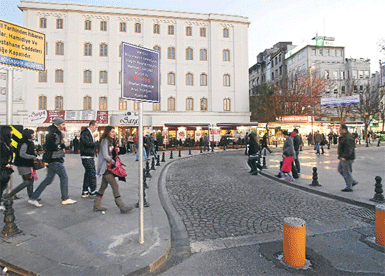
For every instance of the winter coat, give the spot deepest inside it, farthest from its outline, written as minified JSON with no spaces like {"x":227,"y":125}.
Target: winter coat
{"x":286,"y":165}
{"x":54,"y":144}
{"x":25,"y":153}
{"x":346,"y":147}
{"x":87,"y":143}
{"x":288,"y":147}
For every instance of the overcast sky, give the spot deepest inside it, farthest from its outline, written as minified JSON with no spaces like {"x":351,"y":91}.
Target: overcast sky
{"x":356,"y":24}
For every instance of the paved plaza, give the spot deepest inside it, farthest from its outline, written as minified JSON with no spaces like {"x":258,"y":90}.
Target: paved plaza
{"x":204,"y":208}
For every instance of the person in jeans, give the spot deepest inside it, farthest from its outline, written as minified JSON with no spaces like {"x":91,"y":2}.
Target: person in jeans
{"x":87,"y":154}
{"x":107,"y":155}
{"x":54,"y":156}
{"x":253,"y":154}
{"x":297,"y":144}
{"x":346,"y":155}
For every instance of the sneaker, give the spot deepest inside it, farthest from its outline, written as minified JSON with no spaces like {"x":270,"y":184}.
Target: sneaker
{"x":68,"y":201}
{"x":93,"y":194}
{"x":347,"y":190}
{"x":292,"y":180}
{"x":282,"y":178}
{"x":85,"y":194}
{"x":34,"y":202}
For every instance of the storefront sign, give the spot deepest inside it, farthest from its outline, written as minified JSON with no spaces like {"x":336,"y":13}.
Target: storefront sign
{"x":21,"y":47}
{"x":140,"y":74}
{"x":350,"y":100}
{"x":295,"y":119}
{"x":70,"y":116}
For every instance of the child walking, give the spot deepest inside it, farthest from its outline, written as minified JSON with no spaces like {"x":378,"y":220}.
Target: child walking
{"x":286,"y":167}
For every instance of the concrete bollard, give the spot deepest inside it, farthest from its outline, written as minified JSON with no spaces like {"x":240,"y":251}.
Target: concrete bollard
{"x":294,"y":242}
{"x":380,"y":224}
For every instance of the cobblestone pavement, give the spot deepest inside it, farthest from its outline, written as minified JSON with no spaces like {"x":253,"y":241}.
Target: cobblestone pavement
{"x":217,"y":198}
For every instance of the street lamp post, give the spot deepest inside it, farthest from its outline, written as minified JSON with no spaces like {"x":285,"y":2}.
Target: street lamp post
{"x":311,"y":104}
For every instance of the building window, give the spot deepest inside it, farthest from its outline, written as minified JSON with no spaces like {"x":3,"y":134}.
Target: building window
{"x":189,"y":54}
{"x":203,"y":80}
{"x":87,"y":25}
{"x":189,"y":79}
{"x":156,"y":29}
{"x":156,"y":106}
{"x":88,"y":49}
{"x":42,"y":76}
{"x":202,"y":32}
{"x":122,"y":104}
{"x":226,"y":80}
{"x":103,"y":103}
{"x":226,"y":33}
{"x":87,"y":103}
{"x":203,"y":54}
{"x":59,"y":23}
{"x":343,"y":89}
{"x":171,"y":104}
{"x":43,"y":23}
{"x":226,"y":55}
{"x":354,"y":74}
{"x":58,"y":103}
{"x":226,"y":104}
{"x":136,"y":106}
{"x":59,"y":76}
{"x":157,"y":48}
{"x":361,"y":74}
{"x":189,"y":104}
{"x":188,"y":31}
{"x":171,"y":79}
{"x":122,"y":27}
{"x":355,"y":88}
{"x":342,"y":75}
{"x":42,"y":103}
{"x":335,"y":75}
{"x":87,"y":77}
{"x":103,"y":26}
{"x":170,"y":30}
{"x":59,"y":48}
{"x":327,"y":74}
{"x":171,"y":53}
{"x":103,"y":77}
{"x":203,"y":104}
{"x":138,"y":28}
{"x":361,"y":88}
{"x":367,"y":74}
{"x":103,"y":50}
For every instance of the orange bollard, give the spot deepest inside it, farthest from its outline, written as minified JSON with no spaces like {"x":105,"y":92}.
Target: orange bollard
{"x":380,"y":225}
{"x":294,"y":242}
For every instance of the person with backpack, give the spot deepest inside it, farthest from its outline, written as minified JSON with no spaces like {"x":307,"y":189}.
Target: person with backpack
{"x":54,"y":156}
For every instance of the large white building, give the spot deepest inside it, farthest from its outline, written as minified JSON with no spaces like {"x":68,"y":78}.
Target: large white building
{"x":203,"y":64}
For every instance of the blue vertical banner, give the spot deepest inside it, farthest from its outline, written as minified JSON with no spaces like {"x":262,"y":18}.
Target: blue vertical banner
{"x":140,"y":73}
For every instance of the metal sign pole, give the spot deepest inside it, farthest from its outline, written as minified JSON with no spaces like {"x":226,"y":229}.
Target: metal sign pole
{"x":9,"y":108}
{"x":140,"y":149}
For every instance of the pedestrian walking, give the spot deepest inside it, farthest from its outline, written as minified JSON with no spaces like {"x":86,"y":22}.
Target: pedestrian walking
{"x":264,"y":143}
{"x":288,"y":156}
{"x":130,"y":141}
{"x":76,"y":144}
{"x":318,"y":141}
{"x":54,"y":156}
{"x":253,"y":154}
{"x":87,"y":154}
{"x":247,"y":143}
{"x":6,"y":158}
{"x":151,"y":145}
{"x":25,"y":156}
{"x":106,"y":159}
{"x":205,"y":142}
{"x":346,"y":155}
{"x":297,"y":144}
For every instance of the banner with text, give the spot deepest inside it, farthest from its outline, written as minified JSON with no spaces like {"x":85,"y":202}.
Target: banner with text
{"x":140,"y":74}
{"x":21,"y":47}
{"x":350,"y":100}
{"x":70,"y":116}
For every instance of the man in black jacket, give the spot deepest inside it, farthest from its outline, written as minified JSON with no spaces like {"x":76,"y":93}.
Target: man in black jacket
{"x":346,"y":155}
{"x":297,"y":143}
{"x":54,"y":156}
{"x":87,"y":154}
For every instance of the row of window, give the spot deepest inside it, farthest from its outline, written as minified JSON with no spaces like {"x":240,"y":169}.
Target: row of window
{"x":103,"y":78}
{"x":343,"y":90}
{"x":137,"y":27}
{"x":87,"y":104}
{"x":103,"y":51}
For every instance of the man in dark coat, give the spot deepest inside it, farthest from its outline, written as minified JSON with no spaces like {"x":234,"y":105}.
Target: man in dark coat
{"x":87,"y":154}
{"x":346,"y":155}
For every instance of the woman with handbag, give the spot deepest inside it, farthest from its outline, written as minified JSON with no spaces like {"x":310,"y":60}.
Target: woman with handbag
{"x":106,"y":160}
{"x":25,"y":158}
{"x":6,"y":157}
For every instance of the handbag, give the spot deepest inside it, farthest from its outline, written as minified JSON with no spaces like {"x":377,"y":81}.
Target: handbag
{"x":38,"y":164}
{"x":118,"y":168}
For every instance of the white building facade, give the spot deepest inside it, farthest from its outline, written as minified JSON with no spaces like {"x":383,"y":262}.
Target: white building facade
{"x":203,"y":63}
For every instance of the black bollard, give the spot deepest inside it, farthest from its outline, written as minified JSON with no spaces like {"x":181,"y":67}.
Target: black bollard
{"x":158,"y":160}
{"x":315,"y":178}
{"x":180,"y":153}
{"x":264,"y":162}
{"x":148,"y":170}
{"x":378,"y":197}
{"x":147,"y":165}
{"x":171,"y":155}
{"x":378,"y":144}
{"x":163,"y":160}
{"x":10,"y":229}
{"x":153,"y":164}
{"x":189,"y":151}
{"x":144,"y":180}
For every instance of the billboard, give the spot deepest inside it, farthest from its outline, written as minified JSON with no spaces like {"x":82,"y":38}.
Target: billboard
{"x":140,"y":74}
{"x":21,"y":47}
{"x":350,"y":100}
{"x":70,"y":116}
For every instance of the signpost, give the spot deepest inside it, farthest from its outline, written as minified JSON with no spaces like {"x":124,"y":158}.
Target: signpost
{"x":140,"y":82}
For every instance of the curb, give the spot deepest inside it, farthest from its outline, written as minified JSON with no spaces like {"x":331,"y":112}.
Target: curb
{"x":16,"y":269}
